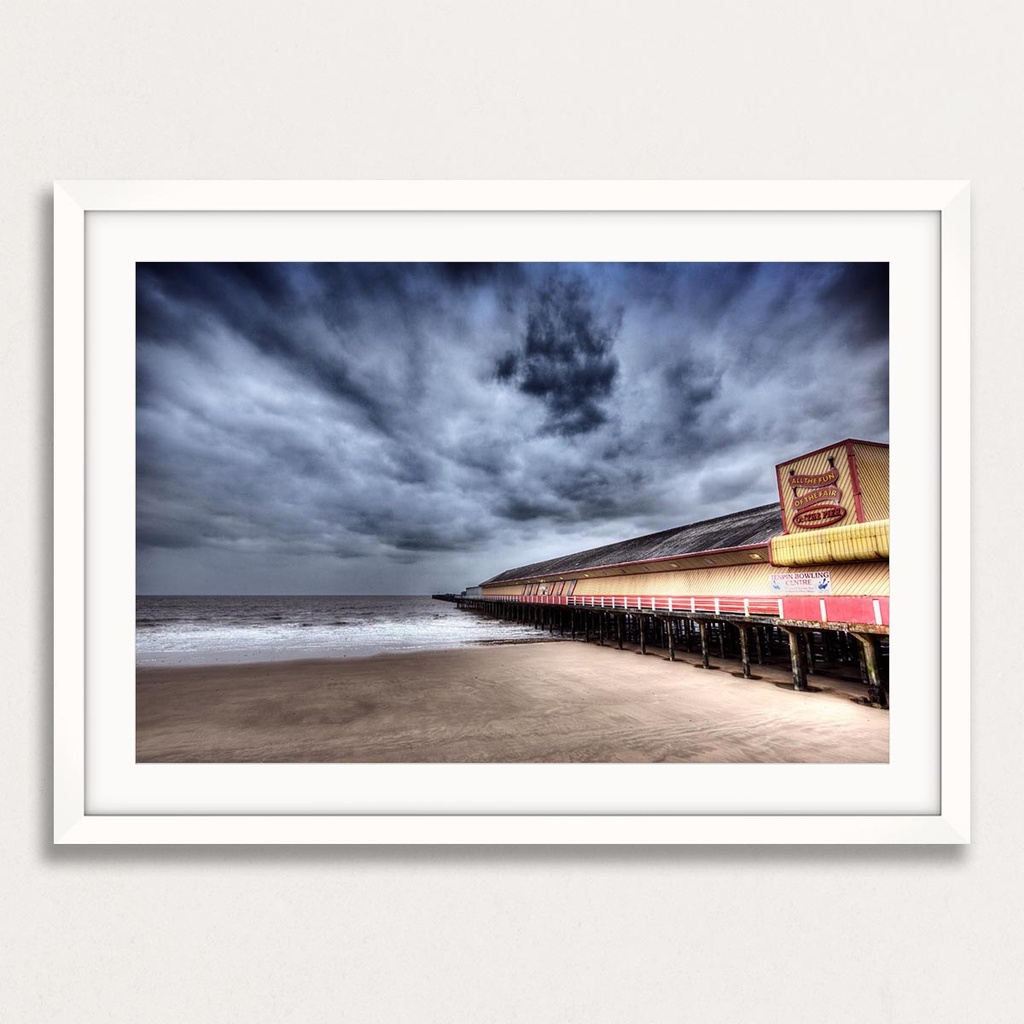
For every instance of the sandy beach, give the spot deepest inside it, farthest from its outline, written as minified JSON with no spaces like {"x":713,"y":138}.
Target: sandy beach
{"x":550,"y":702}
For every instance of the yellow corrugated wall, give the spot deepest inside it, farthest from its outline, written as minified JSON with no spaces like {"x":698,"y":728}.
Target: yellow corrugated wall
{"x":873,"y":469}
{"x":728,"y":579}
{"x":858,"y":542}
{"x":848,"y":579}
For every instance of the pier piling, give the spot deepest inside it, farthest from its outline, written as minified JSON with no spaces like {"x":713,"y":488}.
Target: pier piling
{"x":810,"y":650}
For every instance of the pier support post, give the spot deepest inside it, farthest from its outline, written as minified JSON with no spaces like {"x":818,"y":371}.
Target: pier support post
{"x":721,"y":638}
{"x":796,"y":658}
{"x":703,"y":626}
{"x":643,"y":634}
{"x":671,"y":642}
{"x":618,"y":629}
{"x":861,"y":661}
{"x":809,"y":641}
{"x":744,"y":651}
{"x":878,"y":692}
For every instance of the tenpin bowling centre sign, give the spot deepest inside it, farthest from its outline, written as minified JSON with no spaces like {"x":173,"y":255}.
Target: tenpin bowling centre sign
{"x":816,"y":582}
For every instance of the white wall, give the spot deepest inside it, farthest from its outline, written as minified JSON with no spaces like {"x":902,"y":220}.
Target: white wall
{"x":509,"y":89}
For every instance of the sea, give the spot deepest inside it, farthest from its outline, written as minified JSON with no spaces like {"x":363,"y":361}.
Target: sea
{"x":234,"y":630}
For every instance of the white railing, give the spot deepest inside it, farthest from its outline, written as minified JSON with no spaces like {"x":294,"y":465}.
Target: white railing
{"x":657,"y":603}
{"x":797,"y":607}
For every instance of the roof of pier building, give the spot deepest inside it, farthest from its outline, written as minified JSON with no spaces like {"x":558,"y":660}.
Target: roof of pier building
{"x":751,"y":527}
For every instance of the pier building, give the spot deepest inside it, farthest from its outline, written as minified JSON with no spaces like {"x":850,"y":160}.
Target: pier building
{"x":806,"y":578}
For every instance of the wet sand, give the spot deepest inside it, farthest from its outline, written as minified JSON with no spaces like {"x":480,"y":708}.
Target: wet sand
{"x":553,"y":702}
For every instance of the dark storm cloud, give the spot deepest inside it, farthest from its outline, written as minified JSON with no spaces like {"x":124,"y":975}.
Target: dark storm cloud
{"x":396,"y":427}
{"x":729,"y":484}
{"x":182,"y":303}
{"x":565,"y":358}
{"x":526,"y":509}
{"x":861,"y":291}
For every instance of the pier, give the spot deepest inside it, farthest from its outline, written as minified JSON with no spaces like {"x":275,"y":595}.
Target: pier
{"x":673,"y":627}
{"x":802,"y":583}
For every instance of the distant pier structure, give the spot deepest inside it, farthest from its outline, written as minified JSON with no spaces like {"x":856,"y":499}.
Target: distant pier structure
{"x":806,"y":579}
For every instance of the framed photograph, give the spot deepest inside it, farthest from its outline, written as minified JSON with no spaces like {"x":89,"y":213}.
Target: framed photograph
{"x":511,"y":512}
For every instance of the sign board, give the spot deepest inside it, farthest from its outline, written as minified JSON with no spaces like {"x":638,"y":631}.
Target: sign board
{"x":818,"y":581}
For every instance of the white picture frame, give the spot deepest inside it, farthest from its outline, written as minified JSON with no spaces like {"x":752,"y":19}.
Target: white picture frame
{"x":78,"y":614}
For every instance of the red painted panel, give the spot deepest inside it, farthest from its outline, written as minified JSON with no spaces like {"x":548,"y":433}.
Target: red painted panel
{"x":806,"y":607}
{"x":801,"y":606}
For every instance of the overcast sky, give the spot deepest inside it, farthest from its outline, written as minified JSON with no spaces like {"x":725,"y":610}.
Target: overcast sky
{"x":408,"y":428}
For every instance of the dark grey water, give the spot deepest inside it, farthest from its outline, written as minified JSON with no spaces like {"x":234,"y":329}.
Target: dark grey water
{"x":228,"y":630}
